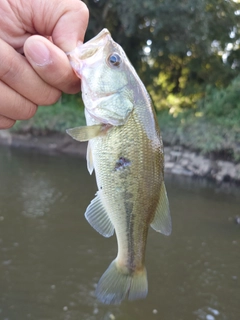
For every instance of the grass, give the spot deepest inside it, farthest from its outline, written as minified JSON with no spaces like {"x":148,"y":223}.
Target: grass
{"x":65,"y":114}
{"x":212,"y":126}
{"x":212,"y":137}
{"x":204,"y":129}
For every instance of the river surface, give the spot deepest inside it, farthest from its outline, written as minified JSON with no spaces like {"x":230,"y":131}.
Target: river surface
{"x":51,"y":259}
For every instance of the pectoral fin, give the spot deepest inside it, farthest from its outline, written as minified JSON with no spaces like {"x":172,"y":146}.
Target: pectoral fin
{"x":98,"y":218}
{"x":162,"y":220}
{"x":87,"y":132}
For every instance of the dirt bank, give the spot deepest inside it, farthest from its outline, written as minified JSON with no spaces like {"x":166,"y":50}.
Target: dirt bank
{"x":178,"y":160}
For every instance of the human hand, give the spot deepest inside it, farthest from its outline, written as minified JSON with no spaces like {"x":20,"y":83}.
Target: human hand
{"x":43,"y":31}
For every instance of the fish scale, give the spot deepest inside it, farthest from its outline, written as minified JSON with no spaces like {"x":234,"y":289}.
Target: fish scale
{"x":140,"y":178}
{"x":125,"y":149}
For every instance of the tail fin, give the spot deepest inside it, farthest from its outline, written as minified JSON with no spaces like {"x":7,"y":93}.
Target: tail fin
{"x":115,"y":285}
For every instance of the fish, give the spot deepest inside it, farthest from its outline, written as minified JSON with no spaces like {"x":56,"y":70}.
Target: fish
{"x":125,"y":149}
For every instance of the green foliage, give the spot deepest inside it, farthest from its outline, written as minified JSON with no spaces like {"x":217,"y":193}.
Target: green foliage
{"x":187,"y":53}
{"x":187,"y":40}
{"x":201,"y":134}
{"x":66,"y":113}
{"x":212,"y":128}
{"x":223,"y":103}
{"x":206,"y":128}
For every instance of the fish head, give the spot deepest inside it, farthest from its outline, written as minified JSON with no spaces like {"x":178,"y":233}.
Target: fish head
{"x":106,"y":76}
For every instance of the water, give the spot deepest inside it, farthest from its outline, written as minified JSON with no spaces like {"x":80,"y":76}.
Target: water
{"x":51,"y":259}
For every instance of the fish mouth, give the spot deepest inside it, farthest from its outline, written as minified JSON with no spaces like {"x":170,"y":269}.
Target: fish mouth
{"x":89,"y":48}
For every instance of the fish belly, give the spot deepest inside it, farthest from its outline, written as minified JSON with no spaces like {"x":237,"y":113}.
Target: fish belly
{"x":128,"y":173}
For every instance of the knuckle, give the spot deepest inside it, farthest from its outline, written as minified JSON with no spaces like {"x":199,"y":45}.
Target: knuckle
{"x":50,"y":97}
{"x":7,"y":68}
{"x":12,"y":64}
{"x":29,"y":111}
{"x":22,"y":108}
{"x":68,"y":83}
{"x":6,"y":123}
{"x":75,"y":88}
{"x":84,"y":9}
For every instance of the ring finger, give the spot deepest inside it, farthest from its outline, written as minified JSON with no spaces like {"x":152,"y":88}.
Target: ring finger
{"x":14,"y":106}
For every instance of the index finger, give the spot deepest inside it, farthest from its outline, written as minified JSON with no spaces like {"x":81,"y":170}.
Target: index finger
{"x":71,"y":26}
{"x":65,"y":21}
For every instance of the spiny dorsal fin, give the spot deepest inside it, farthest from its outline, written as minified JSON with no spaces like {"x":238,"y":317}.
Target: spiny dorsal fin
{"x":162,"y":220}
{"x":98,"y":218}
{"x":86,"y":133}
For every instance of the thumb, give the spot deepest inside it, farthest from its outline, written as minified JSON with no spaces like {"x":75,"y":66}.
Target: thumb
{"x":51,"y":64}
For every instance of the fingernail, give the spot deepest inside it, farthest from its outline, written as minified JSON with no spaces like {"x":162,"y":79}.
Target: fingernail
{"x":38,"y":53}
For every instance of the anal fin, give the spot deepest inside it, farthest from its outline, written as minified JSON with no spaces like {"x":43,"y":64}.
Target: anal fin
{"x":98,"y":218}
{"x":89,"y":157}
{"x":162,"y":220}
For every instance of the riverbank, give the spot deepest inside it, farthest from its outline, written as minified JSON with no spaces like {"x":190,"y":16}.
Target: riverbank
{"x":178,"y":160}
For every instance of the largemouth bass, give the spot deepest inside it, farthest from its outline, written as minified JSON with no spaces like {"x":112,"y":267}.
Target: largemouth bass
{"x":125,"y":149}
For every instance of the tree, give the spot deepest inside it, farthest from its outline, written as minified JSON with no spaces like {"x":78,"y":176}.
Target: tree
{"x":178,"y":47}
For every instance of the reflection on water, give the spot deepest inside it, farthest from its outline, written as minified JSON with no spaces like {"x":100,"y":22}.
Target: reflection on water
{"x":37,"y":195}
{"x":51,"y":259}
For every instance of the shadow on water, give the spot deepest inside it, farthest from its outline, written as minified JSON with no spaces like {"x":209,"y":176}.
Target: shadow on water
{"x":51,"y":259}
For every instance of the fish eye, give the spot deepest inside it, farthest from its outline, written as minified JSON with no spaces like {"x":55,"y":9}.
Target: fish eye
{"x":114,"y":59}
